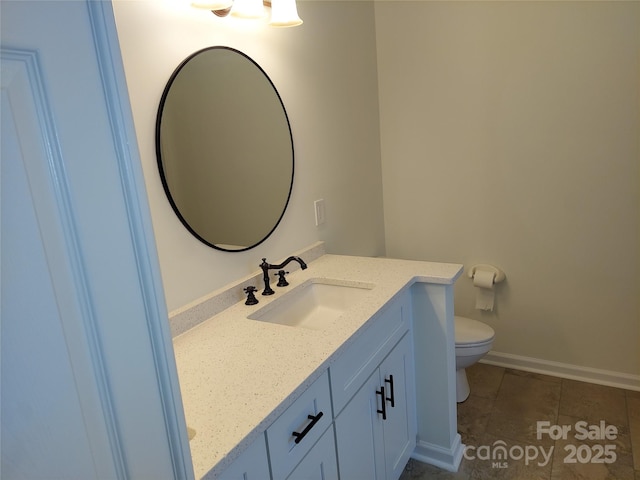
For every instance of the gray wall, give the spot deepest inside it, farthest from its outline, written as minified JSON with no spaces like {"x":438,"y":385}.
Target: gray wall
{"x":510,"y":135}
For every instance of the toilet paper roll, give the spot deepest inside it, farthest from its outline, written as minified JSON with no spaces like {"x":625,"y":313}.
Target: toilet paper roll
{"x":485,"y":295}
{"x":483,"y":279}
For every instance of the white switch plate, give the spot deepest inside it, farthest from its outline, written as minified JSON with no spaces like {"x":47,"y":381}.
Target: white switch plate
{"x":318,"y":205}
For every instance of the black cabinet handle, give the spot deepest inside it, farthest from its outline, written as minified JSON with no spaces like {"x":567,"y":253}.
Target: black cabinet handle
{"x":392,"y":398}
{"x":300,"y":435}
{"x":384,"y":403}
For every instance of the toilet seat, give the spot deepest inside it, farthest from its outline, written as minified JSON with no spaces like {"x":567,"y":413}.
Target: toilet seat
{"x":471,"y":333}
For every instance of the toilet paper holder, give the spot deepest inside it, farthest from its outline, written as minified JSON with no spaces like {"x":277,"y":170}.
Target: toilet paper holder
{"x":499,"y":275}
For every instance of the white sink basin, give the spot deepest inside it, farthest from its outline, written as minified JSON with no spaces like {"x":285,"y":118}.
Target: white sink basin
{"x":314,"y":304}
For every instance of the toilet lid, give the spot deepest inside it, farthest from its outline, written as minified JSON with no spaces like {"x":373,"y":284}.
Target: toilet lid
{"x":470,"y":331}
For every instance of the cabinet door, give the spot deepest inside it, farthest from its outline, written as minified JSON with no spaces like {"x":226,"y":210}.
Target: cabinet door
{"x":397,"y":375}
{"x":251,"y":465}
{"x":359,"y":434}
{"x":320,"y":463}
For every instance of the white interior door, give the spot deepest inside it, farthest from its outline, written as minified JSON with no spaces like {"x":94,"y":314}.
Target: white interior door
{"x":88,"y":381}
{"x":43,"y":422}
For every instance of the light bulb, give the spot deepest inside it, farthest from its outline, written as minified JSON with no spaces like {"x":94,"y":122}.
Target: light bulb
{"x":284,"y":13}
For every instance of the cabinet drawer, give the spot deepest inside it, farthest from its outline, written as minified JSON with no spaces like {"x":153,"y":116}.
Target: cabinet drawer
{"x":309,"y":416}
{"x":352,"y":368}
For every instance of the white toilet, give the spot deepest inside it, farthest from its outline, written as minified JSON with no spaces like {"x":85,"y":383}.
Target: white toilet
{"x":474,"y":339}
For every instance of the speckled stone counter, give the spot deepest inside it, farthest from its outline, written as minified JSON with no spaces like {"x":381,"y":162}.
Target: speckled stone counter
{"x":238,"y":375}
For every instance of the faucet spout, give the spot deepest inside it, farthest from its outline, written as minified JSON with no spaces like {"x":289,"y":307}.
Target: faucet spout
{"x":303,"y":265}
{"x":267,"y":266}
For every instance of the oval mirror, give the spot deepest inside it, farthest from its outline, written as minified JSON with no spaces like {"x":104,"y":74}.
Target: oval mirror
{"x":225,"y":149}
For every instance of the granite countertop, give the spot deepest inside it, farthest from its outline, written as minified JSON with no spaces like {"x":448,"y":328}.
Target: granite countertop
{"x":238,"y":375}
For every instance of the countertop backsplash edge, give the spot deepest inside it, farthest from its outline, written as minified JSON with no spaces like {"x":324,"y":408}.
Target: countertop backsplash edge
{"x":196,"y":312}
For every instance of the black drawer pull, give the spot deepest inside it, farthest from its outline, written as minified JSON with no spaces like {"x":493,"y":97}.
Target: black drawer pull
{"x":300,"y":435}
{"x":384,"y":403}
{"x":392,"y":398}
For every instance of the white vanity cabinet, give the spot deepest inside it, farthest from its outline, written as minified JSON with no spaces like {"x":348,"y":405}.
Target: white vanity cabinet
{"x":400,"y":427}
{"x":376,"y":430}
{"x":295,"y":435}
{"x":320,"y":463}
{"x":367,"y":396}
{"x":253,"y":464}
{"x":300,"y":442}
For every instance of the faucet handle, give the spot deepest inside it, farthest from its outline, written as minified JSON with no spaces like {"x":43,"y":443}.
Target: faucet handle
{"x":282,"y":282}
{"x":251,"y":298}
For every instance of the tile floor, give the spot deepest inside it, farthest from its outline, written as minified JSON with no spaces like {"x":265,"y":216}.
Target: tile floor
{"x":503,"y":410}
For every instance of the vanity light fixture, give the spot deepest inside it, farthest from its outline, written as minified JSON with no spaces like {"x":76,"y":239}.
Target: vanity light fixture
{"x":284,"y":13}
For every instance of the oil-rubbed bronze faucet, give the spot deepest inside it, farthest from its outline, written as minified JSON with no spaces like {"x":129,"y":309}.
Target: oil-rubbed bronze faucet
{"x":267,"y":266}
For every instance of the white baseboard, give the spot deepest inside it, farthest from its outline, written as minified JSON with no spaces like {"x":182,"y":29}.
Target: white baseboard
{"x":446,"y":458}
{"x":563,"y":370}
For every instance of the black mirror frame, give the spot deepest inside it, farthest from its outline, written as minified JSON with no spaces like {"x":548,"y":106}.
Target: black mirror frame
{"x":165,"y":184}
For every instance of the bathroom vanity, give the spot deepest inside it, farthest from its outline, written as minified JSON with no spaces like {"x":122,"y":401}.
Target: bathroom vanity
{"x":374,"y":382}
